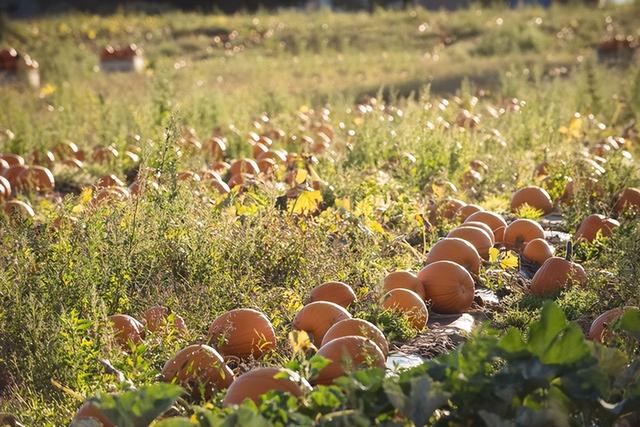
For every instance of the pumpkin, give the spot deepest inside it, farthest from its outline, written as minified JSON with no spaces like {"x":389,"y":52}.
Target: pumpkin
{"x":257,"y":382}
{"x":4,"y":166}
{"x":448,"y":209}
{"x":220,"y":167}
{"x":5,"y":188}
{"x":402,"y":279}
{"x":533,"y":196}
{"x":357,"y":327}
{"x":18,"y":208}
{"x":479,"y":166}
{"x":38,"y":178}
{"x":628,"y":199}
{"x":522,"y":231}
{"x":538,"y":250}
{"x":238,"y":180}
{"x":493,"y":220}
{"x":104,"y":154}
{"x":316,"y":319}
{"x":13,"y":159}
{"x":555,"y":274}
{"x":267,"y":165}
{"x":347,"y":354}
{"x":243,"y":333}
{"x":15,"y":175}
{"x":109,"y":181}
{"x":467,"y":210}
{"x":479,"y":238}
{"x":88,"y":411}
{"x":448,"y":286}
{"x":127,"y":329}
{"x":337,"y":292}
{"x":594,"y":224}
{"x":248,"y":166}
{"x":215,"y":147}
{"x":276,"y":155}
{"x":188,"y":176}
{"x":155,"y":319}
{"x":408,"y":303}
{"x":109,"y":195}
{"x":258,"y":149}
{"x":482,"y":226}
{"x":198,"y":366}
{"x":597,"y":329}
{"x":456,"y":250}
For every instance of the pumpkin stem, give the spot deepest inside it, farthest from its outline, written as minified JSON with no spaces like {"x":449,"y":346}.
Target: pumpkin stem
{"x":569,"y":253}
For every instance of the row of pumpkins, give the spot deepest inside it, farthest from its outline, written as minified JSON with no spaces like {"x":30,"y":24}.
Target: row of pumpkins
{"x":446,"y":283}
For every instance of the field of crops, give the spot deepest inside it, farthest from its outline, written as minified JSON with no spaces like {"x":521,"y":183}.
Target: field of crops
{"x":314,"y":218}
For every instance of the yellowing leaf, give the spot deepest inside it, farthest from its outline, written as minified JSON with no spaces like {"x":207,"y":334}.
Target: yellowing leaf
{"x":344,"y":203}
{"x":299,"y":341}
{"x":493,"y":254}
{"x":420,"y":219}
{"x":307,"y":202}
{"x":438,"y":190}
{"x":301,"y":176}
{"x":509,"y":260}
{"x":375,"y":226}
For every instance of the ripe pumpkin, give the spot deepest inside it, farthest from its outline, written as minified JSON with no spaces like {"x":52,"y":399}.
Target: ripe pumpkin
{"x":467,"y":210}
{"x":4,"y":166}
{"x":482,"y":226}
{"x":15,"y":175}
{"x":155,"y":319}
{"x":448,"y":286}
{"x":243,"y":333}
{"x":127,"y":329}
{"x":198,"y":365}
{"x":316,"y":319}
{"x":597,"y":329}
{"x":336,"y":292}
{"x":18,"y":208}
{"x":267,"y":165}
{"x":522,"y":231}
{"x":403,"y":279}
{"x":538,"y":250}
{"x":215,"y":147}
{"x":88,"y":411}
{"x":593,"y":224}
{"x":555,"y":274}
{"x":248,"y":166}
{"x":5,"y":188}
{"x":408,"y":303}
{"x":357,"y":327}
{"x":258,"y":149}
{"x":257,"y":382}
{"x":493,"y":220}
{"x":347,"y":354}
{"x":38,"y":178}
{"x":13,"y":159}
{"x":628,"y":199}
{"x":479,"y":238}
{"x":456,"y":250}
{"x":109,"y":181}
{"x":533,"y":196}
{"x":448,"y":209}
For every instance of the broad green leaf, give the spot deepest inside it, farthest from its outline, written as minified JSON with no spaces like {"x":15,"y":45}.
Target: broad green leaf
{"x":542,"y":332}
{"x":512,"y":341}
{"x":630,"y":322}
{"x":569,"y":346}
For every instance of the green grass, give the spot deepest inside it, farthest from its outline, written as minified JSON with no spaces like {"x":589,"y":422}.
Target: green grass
{"x":202,"y":257}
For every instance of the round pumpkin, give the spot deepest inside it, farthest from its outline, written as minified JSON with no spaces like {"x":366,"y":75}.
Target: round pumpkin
{"x":109,"y":181}
{"x":538,"y":250}
{"x":597,"y":329}
{"x":88,"y":411}
{"x":18,"y":208}
{"x":357,"y":327}
{"x":555,"y":274}
{"x":13,"y":159}
{"x":493,"y":220}
{"x":593,"y":224}
{"x":337,"y":292}
{"x":127,"y":329}
{"x":38,"y":178}
{"x":248,"y":166}
{"x":347,"y":354}
{"x":456,"y":250}
{"x":15,"y":175}
{"x":243,"y":333}
{"x":5,"y":188}
{"x":448,"y":286}
{"x":482,"y":226}
{"x":533,"y":196}
{"x":402,"y":279}
{"x":316,"y":319}
{"x":408,"y":303}
{"x":448,"y":209}
{"x":629,"y":199}
{"x":155,"y":319}
{"x":257,"y":382}
{"x":467,"y":210}
{"x":476,"y":236}
{"x":198,"y":366}
{"x":522,"y":231}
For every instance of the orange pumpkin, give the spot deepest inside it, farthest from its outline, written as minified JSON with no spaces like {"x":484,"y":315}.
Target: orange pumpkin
{"x":127,"y":329}
{"x":248,"y":166}
{"x":109,"y":181}
{"x":448,"y":209}
{"x":258,"y":149}
{"x":13,"y":159}
{"x":448,"y":286}
{"x":337,"y":292}
{"x":38,"y":178}
{"x":15,"y":175}
{"x":410,"y":304}
{"x":479,"y":238}
{"x":347,"y":354}
{"x":155,"y":319}
{"x":538,"y":250}
{"x":597,"y":329}
{"x":88,"y":411}
{"x":403,"y":279}
{"x":482,"y":226}
{"x":456,"y":250}
{"x":533,"y":196}
{"x":5,"y":188}
{"x":243,"y":333}
{"x":594,"y":224}
{"x":257,"y":382}
{"x":555,"y":274}
{"x":467,"y":210}
{"x":629,"y":199}
{"x":316,"y":319}
{"x":520,"y":232}
{"x":18,"y":209}
{"x":198,"y":367}
{"x":357,"y":327}
{"x":493,"y":220}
